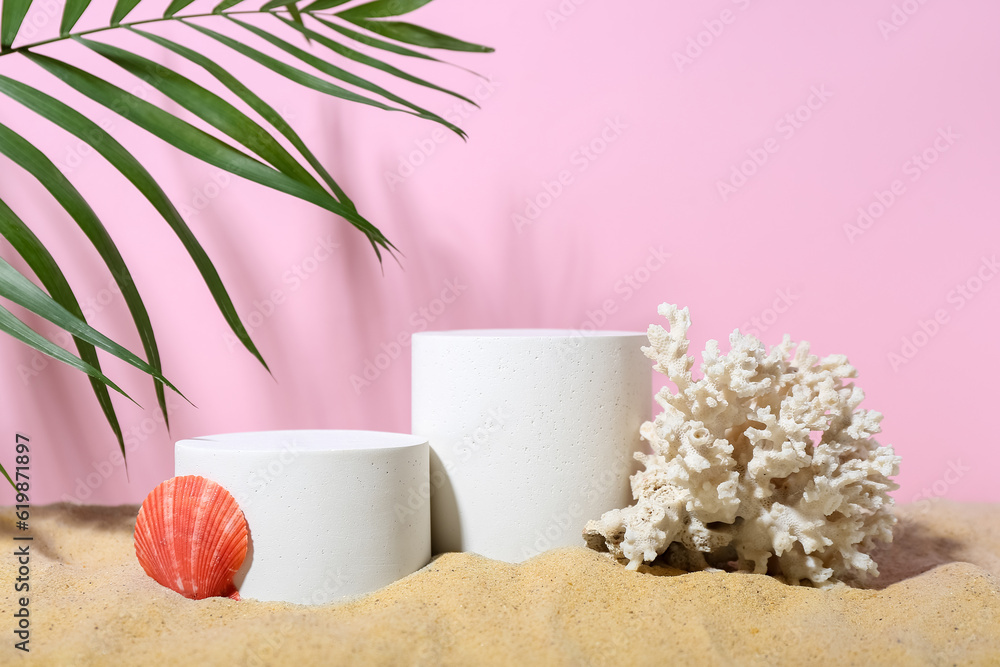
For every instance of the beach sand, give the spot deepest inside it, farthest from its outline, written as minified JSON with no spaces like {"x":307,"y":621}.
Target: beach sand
{"x":936,"y":603}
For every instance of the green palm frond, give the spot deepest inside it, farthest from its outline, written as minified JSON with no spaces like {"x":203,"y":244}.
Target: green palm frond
{"x":243,"y":146}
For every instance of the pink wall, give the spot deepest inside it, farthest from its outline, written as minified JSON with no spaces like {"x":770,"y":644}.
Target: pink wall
{"x":839,"y":110}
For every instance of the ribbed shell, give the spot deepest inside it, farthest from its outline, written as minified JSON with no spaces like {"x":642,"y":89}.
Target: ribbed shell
{"x":191,"y":536}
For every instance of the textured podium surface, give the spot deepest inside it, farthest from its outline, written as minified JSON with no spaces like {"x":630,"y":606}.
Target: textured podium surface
{"x":531,"y":433}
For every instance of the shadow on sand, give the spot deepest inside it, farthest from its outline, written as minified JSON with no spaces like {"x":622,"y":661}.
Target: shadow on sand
{"x":914,"y":550}
{"x":110,"y":519}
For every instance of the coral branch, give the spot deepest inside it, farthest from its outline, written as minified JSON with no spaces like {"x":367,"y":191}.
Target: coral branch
{"x":765,"y":464}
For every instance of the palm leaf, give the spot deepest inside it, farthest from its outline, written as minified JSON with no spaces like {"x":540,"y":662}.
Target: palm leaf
{"x":122,"y":9}
{"x":343,"y":75}
{"x":72,"y":12}
{"x":32,"y":160}
{"x":175,"y":6}
{"x":381,"y":9}
{"x":263,"y":158}
{"x":375,"y":42}
{"x":23,"y":292}
{"x":276,"y":4}
{"x":296,"y":15}
{"x":11,"y":18}
{"x":9,"y":324}
{"x":208,"y":106}
{"x":364,"y":59}
{"x":320,"y":5}
{"x":381,"y":44}
{"x":198,"y":143}
{"x":45,"y":267}
{"x":18,"y":330}
{"x":224,"y":5}
{"x":254,"y":102}
{"x":293,"y":73}
{"x":79,"y":125}
{"x":418,"y":36}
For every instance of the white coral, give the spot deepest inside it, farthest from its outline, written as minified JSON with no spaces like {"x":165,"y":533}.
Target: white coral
{"x":766,"y":464}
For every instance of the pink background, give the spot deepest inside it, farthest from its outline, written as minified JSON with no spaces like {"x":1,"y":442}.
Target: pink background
{"x":673,"y":130}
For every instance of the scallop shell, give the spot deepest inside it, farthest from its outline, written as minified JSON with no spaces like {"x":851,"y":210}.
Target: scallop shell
{"x":191,"y":536}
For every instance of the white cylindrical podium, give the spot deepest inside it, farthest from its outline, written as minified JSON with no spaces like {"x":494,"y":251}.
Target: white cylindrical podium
{"x":531,"y":433}
{"x":331,"y":513}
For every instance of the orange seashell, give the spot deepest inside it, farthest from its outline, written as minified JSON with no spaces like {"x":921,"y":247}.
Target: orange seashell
{"x":191,"y":536}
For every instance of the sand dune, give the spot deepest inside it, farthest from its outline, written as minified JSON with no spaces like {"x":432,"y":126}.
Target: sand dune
{"x":938,"y":602}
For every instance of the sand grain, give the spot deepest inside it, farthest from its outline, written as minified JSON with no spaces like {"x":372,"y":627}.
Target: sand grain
{"x":939,"y":604}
